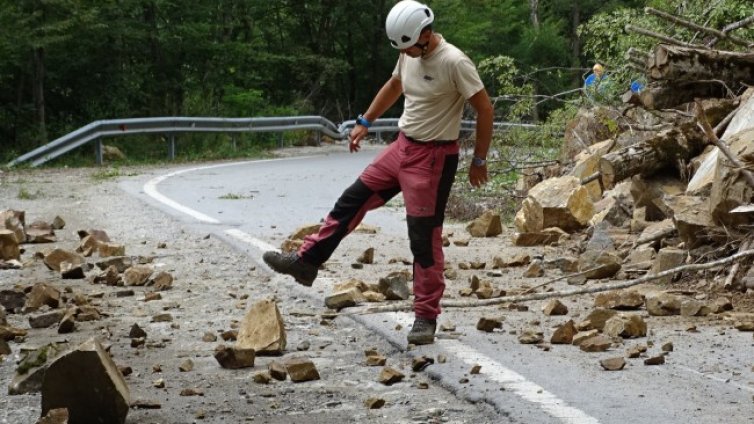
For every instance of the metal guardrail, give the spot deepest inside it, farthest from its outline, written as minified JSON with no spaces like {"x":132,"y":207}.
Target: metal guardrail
{"x":391,"y":125}
{"x":170,"y":126}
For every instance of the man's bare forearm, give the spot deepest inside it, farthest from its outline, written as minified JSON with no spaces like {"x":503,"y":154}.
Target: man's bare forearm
{"x":386,"y":97}
{"x":485,"y":117}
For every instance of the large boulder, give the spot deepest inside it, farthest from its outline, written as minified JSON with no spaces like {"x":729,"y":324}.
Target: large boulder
{"x":487,"y":225}
{"x":692,"y":219}
{"x":587,"y":163}
{"x":730,"y":189}
{"x":263,"y":329}
{"x":590,"y":126}
{"x":54,"y":258}
{"x":558,"y":202}
{"x":9,"y":246}
{"x":654,"y":193}
{"x":14,"y":221}
{"x":87,"y":382}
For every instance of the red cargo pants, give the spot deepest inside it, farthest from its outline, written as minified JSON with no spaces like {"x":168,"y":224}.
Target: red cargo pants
{"x":424,"y":172}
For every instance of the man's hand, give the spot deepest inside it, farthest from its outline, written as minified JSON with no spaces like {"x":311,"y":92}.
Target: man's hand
{"x":478,"y":175}
{"x":357,"y":134}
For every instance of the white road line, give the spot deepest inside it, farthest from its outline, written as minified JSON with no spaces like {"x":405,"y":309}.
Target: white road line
{"x":513,"y":381}
{"x":246,"y":238}
{"x":713,"y":378}
{"x":150,"y":188}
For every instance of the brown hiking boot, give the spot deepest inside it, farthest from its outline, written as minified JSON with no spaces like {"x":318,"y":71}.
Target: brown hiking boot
{"x":423,"y":331}
{"x":291,"y":264}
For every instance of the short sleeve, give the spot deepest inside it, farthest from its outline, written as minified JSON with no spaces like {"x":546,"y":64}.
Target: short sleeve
{"x":467,"y":78}
{"x":397,"y":69}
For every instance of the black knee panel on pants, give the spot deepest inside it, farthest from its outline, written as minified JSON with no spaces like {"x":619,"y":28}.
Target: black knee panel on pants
{"x":420,"y":233}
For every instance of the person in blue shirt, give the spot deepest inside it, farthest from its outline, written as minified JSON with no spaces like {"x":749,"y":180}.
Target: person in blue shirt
{"x":594,"y":79}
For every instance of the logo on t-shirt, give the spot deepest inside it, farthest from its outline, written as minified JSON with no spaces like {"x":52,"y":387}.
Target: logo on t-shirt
{"x":428,"y":78}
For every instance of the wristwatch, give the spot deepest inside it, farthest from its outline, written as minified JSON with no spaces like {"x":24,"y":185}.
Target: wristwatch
{"x":361,"y":120}
{"x":477,"y":161}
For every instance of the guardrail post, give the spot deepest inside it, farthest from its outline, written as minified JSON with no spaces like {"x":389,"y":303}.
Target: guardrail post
{"x":171,"y":147}
{"x":319,"y":138}
{"x":98,"y":151}
{"x":379,"y":137}
{"x":280,"y":140}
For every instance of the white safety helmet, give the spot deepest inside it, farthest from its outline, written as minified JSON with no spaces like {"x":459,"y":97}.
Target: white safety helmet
{"x":405,"y":22}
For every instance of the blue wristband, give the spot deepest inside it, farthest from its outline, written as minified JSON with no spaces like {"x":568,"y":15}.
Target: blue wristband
{"x":361,"y":120}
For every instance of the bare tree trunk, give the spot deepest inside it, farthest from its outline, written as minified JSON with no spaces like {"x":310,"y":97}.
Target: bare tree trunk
{"x":575,"y":22}
{"x":534,"y":16}
{"x":534,"y":13}
{"x":38,"y":92}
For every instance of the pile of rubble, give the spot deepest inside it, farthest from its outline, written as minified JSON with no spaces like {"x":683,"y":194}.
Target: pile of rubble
{"x":651,"y":189}
{"x":82,"y":383}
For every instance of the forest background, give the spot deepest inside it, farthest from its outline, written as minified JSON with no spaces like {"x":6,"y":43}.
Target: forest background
{"x":66,"y":63}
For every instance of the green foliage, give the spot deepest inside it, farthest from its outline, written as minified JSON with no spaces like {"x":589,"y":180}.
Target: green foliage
{"x":66,"y":63}
{"x":235,"y":196}
{"x":34,"y":359}
{"x":104,"y":174}
{"x":505,"y":74}
{"x":25,"y":194}
{"x":606,"y":41}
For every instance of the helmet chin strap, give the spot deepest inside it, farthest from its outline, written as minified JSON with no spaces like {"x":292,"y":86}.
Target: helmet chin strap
{"x":424,"y":46}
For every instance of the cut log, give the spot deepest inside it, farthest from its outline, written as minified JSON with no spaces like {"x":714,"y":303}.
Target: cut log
{"x":676,"y":63}
{"x":663,"y":151}
{"x":664,"y":95}
{"x":646,"y":158}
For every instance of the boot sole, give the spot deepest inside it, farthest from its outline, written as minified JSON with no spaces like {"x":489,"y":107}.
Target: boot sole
{"x":299,"y":280}
{"x":421,"y":340}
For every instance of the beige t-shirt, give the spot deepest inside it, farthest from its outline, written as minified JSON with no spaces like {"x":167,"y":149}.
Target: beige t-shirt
{"x":435,"y":88}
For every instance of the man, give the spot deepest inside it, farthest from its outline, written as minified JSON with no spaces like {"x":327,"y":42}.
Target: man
{"x":436,"y":80}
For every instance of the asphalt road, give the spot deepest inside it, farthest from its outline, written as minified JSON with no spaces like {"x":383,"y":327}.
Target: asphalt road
{"x":253,"y":205}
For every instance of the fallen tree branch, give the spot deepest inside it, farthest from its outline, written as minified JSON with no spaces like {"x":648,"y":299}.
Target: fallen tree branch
{"x":407,"y":306}
{"x":696,"y":27}
{"x":730,"y":280}
{"x":661,"y":37}
{"x":707,"y":128}
{"x":594,"y":177}
{"x":555,"y":280}
{"x":732,"y":27}
{"x":740,"y":24}
{"x":655,"y":237}
{"x":658,"y":127}
{"x":720,"y":128}
{"x":636,"y":53}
